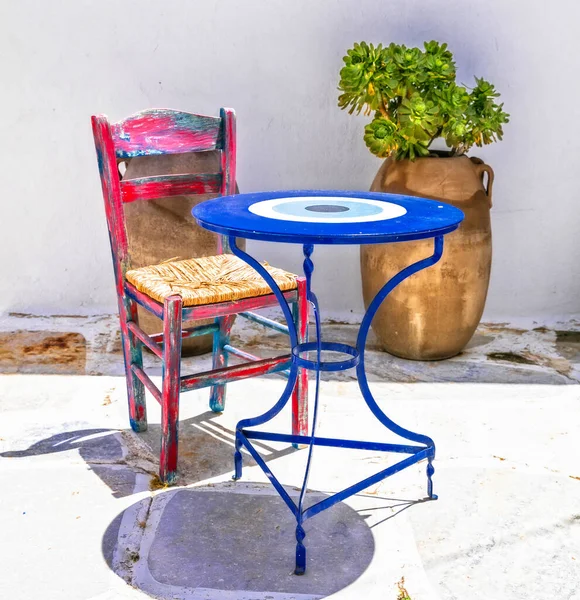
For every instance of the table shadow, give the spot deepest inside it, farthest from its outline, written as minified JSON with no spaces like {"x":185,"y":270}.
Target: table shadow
{"x":235,"y":537}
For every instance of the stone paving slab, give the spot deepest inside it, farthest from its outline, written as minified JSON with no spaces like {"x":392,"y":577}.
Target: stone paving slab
{"x":245,"y":543}
{"x":498,"y":352}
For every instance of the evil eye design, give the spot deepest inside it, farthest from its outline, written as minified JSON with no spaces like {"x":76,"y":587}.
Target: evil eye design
{"x":327,"y":209}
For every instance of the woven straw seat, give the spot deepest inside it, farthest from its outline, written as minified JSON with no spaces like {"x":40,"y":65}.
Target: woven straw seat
{"x":206,"y":280}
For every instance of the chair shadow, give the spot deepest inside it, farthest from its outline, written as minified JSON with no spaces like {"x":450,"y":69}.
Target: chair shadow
{"x":117,"y":456}
{"x":92,"y":444}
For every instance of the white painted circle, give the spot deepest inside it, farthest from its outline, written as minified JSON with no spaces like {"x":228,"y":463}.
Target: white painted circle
{"x":355,"y":210}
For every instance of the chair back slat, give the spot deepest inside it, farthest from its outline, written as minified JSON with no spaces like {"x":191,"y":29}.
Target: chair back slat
{"x":164,"y":131}
{"x":163,"y":186}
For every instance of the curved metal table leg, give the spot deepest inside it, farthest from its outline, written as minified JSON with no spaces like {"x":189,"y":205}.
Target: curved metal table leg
{"x":243,"y":436}
{"x":361,"y":372}
{"x":300,"y":568}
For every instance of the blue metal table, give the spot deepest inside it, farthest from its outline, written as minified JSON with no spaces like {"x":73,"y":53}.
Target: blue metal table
{"x":329,"y":217}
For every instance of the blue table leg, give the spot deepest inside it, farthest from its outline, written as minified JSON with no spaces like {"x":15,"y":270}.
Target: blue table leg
{"x":425,"y":451}
{"x":361,"y":374}
{"x":293,"y":374}
{"x":300,"y":568}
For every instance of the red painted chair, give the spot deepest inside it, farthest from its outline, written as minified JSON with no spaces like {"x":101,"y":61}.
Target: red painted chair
{"x":216,"y":287}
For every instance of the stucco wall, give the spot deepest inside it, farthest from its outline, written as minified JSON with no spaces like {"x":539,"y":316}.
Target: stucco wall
{"x":276,"y":62}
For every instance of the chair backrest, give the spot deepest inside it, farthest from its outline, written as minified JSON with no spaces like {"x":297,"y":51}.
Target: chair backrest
{"x":154,"y":132}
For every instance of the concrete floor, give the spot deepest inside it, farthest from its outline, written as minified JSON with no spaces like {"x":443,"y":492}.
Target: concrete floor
{"x":80,"y":520}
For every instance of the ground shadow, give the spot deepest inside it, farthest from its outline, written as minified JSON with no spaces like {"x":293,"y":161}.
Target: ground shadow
{"x":235,"y":537}
{"x":391,"y":504}
{"x":92,"y":444}
{"x":102,"y":450}
{"x":205,"y":451}
{"x":206,"y":448}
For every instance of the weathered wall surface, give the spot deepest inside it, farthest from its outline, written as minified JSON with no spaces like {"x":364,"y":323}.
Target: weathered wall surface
{"x":276,"y":63}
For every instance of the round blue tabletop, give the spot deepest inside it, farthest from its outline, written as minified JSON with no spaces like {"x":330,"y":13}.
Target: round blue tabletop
{"x":327,"y":217}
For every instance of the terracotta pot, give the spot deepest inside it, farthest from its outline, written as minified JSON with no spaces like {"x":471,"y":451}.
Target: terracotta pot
{"x":163,"y":229}
{"x":433,"y":314}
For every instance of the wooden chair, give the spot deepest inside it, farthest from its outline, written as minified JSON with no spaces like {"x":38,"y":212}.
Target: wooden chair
{"x":217,"y":287}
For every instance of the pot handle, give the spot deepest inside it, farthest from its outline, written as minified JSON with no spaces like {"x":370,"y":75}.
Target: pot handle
{"x":483,"y":168}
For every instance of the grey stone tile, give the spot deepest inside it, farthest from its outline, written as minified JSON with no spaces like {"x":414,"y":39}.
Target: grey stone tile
{"x":231,"y":541}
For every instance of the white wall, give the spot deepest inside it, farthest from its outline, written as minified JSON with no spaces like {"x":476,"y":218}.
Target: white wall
{"x":276,"y":62}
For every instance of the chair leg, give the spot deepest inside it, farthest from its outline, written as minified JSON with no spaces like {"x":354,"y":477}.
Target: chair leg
{"x":300,"y":392}
{"x":221,"y":337}
{"x":172,"y":314}
{"x":133,"y":354}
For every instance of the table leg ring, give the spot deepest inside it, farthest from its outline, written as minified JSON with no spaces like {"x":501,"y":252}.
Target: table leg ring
{"x":315,"y":365}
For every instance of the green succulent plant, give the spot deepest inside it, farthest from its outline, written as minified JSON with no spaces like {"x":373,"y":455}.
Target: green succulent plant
{"x":415,"y":99}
